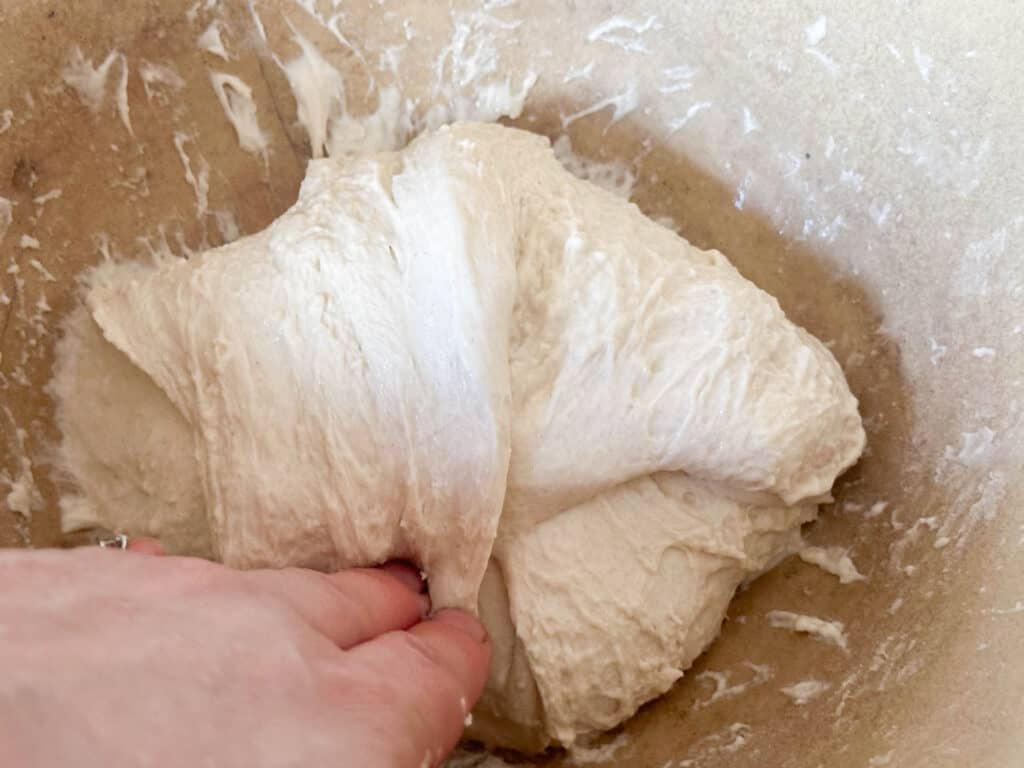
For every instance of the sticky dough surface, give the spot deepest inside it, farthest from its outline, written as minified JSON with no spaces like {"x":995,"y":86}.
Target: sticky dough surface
{"x":574,"y":421}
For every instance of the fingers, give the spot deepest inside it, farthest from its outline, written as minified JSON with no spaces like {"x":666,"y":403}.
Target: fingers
{"x":439,"y":669}
{"x":352,"y":606}
{"x":406,"y":574}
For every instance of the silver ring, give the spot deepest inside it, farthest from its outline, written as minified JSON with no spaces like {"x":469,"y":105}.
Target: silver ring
{"x":114,"y":541}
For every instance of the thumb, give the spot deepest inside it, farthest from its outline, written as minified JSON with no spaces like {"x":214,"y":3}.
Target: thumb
{"x":439,"y":668}
{"x":144,"y":545}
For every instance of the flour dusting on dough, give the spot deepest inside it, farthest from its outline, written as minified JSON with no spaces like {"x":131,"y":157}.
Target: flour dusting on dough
{"x":198,"y":178}
{"x":581,"y":754}
{"x":691,"y":112}
{"x":815,"y":32}
{"x":761,"y":673}
{"x":90,"y":82}
{"x":211,"y":42}
{"x":678,"y":78}
{"x":236,"y":99}
{"x":158,"y":78}
{"x":622,"y":104}
{"x":319,"y":92}
{"x":802,"y":692}
{"x":624,"y":32}
{"x":6,"y":216}
{"x":23,"y":496}
{"x":834,"y":560}
{"x":830,"y":631}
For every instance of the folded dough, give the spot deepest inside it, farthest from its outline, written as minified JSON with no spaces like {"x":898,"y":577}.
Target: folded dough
{"x":573,"y":420}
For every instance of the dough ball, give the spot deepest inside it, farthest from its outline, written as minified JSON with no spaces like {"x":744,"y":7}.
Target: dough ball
{"x":575,"y":422}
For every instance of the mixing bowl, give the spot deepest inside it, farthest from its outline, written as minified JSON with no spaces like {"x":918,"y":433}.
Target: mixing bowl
{"x":863,"y":163}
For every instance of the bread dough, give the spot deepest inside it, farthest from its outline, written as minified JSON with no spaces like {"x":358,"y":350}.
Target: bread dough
{"x":462,"y":355}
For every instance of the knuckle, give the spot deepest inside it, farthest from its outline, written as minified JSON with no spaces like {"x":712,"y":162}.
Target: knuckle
{"x":421,"y":655}
{"x":193,"y":574}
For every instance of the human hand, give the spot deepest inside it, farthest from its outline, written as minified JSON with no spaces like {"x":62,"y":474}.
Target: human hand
{"x":111,"y":658}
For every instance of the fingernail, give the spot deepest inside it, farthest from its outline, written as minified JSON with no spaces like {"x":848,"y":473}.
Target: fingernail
{"x":463,"y":622}
{"x":406,"y":574}
{"x":145,"y":545}
{"x":424,"y":605}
